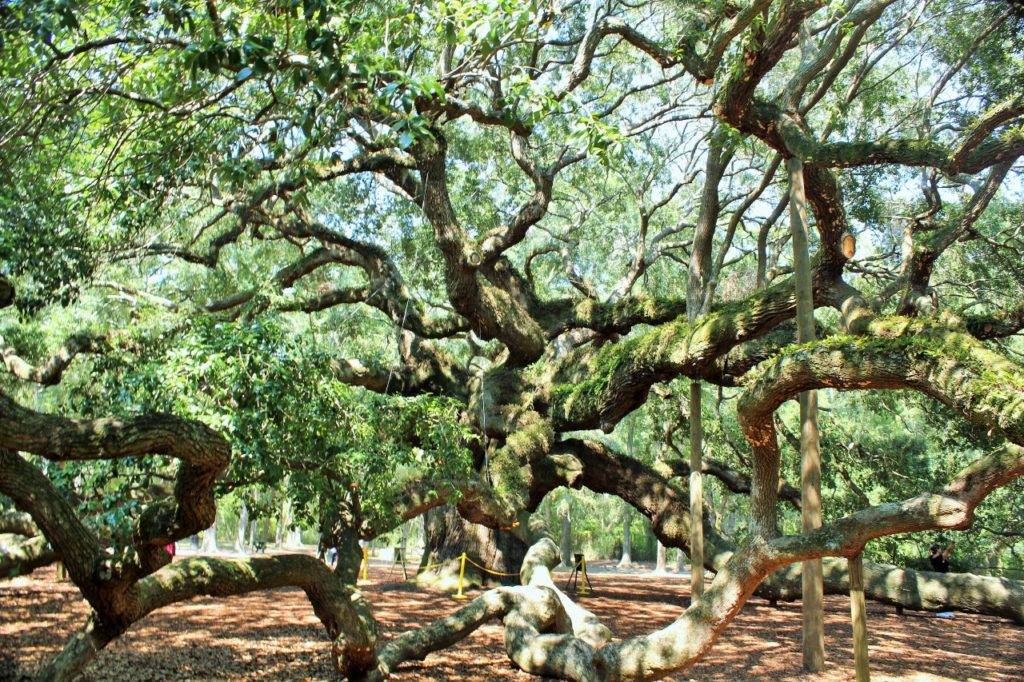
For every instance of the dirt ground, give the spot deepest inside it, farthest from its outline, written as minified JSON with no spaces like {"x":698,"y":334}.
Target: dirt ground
{"x":274,"y":635}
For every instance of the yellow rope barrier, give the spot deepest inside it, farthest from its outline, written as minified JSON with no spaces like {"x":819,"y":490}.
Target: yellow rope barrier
{"x":463,"y":559}
{"x":488,"y":570}
{"x":419,"y":571}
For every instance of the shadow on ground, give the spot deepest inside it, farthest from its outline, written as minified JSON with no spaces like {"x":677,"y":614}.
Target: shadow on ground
{"x":274,"y":635}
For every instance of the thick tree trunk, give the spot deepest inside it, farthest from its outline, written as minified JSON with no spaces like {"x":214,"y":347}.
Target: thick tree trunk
{"x":448,"y":535}
{"x":341,"y":534}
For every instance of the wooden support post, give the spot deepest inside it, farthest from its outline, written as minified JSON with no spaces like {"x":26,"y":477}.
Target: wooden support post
{"x":859,"y":616}
{"x":696,"y":494}
{"x":810,"y":456}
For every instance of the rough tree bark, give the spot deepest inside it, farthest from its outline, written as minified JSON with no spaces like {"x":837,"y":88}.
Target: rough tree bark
{"x":667,"y":506}
{"x":858,"y":615}
{"x":537,"y":633}
{"x":696,"y":492}
{"x":677,"y":646}
{"x":448,"y":535}
{"x":23,"y":549}
{"x":546,"y":633}
{"x":343,"y":611}
{"x":913,"y":590}
{"x":698,"y":300}
{"x":542,"y":634}
{"x":121,"y":592}
{"x":22,"y":556}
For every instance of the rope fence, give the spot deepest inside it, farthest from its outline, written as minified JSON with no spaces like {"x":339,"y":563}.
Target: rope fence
{"x":488,"y":570}
{"x":582,"y":588}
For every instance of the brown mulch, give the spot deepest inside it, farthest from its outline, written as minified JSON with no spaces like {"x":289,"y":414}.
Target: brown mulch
{"x":274,"y":635}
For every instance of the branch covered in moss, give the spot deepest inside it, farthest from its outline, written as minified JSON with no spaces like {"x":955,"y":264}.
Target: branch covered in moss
{"x":24,"y":555}
{"x":597,"y":387}
{"x":944,"y":362}
{"x":540,"y":642}
{"x":608,"y":317}
{"x":49,"y":371}
{"x":343,"y":610}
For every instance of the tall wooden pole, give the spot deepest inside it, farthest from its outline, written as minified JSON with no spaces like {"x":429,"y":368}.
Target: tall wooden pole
{"x":698,"y":297}
{"x":810,"y":455}
{"x":859,"y":617}
{"x":696,"y":494}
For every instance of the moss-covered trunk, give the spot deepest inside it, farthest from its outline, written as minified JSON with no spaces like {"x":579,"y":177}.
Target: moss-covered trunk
{"x":448,"y":535}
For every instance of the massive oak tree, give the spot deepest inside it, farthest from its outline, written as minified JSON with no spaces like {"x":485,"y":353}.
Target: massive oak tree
{"x":544,"y":214}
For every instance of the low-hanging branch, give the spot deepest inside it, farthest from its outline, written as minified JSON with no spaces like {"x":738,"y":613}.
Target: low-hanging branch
{"x":22,"y":547}
{"x":203,"y":454}
{"x":23,"y":555}
{"x":540,"y":642}
{"x":940,"y":360}
{"x":49,"y":371}
{"x":593,"y":465}
{"x":121,"y":593}
{"x":735,"y":481}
